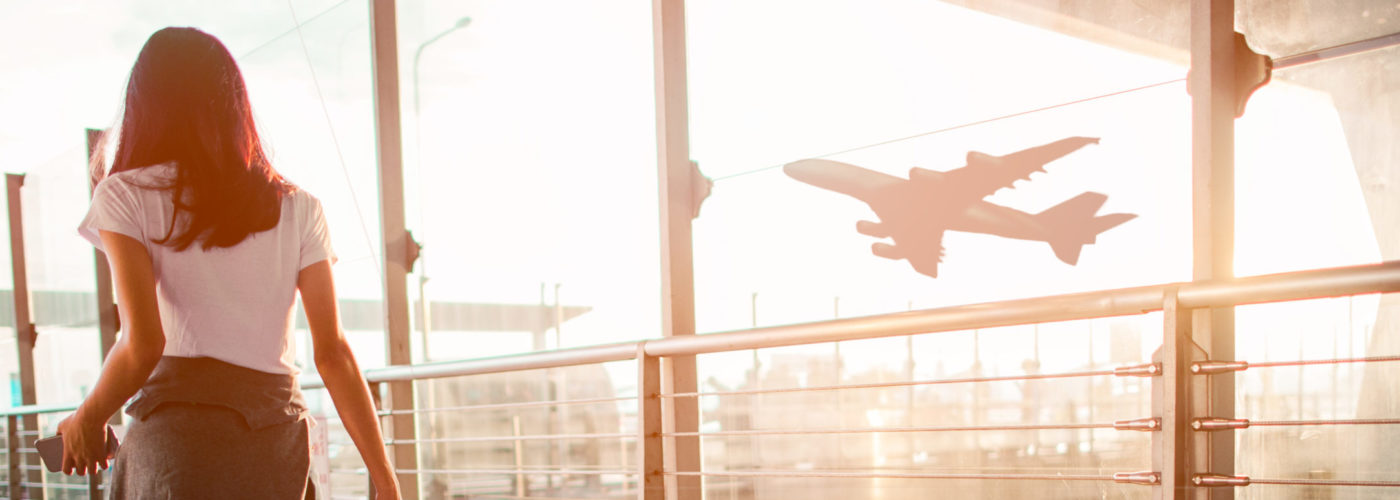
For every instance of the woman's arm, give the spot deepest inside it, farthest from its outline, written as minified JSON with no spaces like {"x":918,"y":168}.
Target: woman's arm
{"x":129,"y":363}
{"x":342,"y":376}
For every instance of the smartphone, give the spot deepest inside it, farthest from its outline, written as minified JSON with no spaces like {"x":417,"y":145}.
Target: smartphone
{"x":51,"y":449}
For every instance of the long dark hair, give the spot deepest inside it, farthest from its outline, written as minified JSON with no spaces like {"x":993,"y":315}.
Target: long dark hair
{"x":186,"y":104}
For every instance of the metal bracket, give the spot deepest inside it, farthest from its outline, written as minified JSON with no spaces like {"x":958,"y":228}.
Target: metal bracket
{"x":1142,"y":424}
{"x":1144,"y":477}
{"x":1217,"y":480}
{"x":700,"y":187}
{"x":412,"y":249}
{"x":1252,"y":71}
{"x":1208,"y":424}
{"x":1142,"y":370}
{"x":1208,"y":367}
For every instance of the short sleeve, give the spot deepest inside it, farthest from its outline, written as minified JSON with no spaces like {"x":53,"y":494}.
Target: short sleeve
{"x":114,"y":208}
{"x":315,"y":237}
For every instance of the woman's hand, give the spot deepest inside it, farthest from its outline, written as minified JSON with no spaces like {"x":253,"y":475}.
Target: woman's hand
{"x":84,"y":445}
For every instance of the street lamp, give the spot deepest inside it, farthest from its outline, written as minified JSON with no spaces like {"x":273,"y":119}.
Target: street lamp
{"x":418,"y":54}
{"x":423,"y":308}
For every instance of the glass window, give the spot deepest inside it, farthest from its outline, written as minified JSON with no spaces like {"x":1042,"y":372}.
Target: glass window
{"x":309,"y":84}
{"x":919,"y":84}
{"x":1317,"y":188}
{"x":892,"y":85}
{"x":530,"y":173}
{"x":306,"y":64}
{"x":1315,"y":167}
{"x":62,"y":284}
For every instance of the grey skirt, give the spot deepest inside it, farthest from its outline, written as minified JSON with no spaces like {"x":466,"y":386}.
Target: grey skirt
{"x":191,"y":450}
{"x":203,"y":428}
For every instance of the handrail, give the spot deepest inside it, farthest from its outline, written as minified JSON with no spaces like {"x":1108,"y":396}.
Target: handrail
{"x":1299,"y":285}
{"x":37,"y":409}
{"x":1383,"y":277}
{"x":513,"y":362}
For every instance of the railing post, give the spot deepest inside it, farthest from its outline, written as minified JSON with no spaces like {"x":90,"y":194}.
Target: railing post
{"x":95,"y":486}
{"x":12,"y":454}
{"x":650,"y":456}
{"x":677,"y":177}
{"x":1177,"y":397}
{"x":399,"y":248}
{"x":522,"y":487}
{"x":1214,"y":99}
{"x":25,"y":333}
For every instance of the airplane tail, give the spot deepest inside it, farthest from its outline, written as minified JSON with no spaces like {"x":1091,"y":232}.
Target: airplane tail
{"x":1072,"y":224}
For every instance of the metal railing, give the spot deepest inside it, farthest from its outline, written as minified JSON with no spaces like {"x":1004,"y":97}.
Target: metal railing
{"x":1174,"y":426}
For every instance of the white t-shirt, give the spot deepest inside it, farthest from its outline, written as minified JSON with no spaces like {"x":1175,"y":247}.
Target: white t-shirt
{"x":233,"y":304}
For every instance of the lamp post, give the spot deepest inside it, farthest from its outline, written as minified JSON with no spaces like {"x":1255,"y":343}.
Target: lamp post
{"x":423,"y":308}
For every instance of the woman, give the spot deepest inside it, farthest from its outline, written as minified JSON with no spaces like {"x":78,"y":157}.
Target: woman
{"x":208,"y":246}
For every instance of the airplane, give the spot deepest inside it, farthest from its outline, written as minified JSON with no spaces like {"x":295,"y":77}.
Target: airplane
{"x":915,"y":212}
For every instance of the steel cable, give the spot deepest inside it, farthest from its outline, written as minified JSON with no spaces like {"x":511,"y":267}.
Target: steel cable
{"x":1091,"y":373}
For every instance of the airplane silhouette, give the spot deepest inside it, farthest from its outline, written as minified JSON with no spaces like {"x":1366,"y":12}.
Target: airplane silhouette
{"x":915,"y":212}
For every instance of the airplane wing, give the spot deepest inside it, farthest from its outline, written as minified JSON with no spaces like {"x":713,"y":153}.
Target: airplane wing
{"x":913,"y":218}
{"x":986,"y":174}
{"x":863,"y":184}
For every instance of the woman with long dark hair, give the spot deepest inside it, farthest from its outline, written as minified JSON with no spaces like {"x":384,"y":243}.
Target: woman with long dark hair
{"x":208,"y":247}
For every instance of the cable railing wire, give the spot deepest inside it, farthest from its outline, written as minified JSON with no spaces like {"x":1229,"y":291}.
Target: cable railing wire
{"x":1215,"y":367}
{"x":898,"y":475}
{"x":964,"y":125}
{"x":1006,"y":378}
{"x":59,"y":486}
{"x":1354,"y":421}
{"x":502,"y":406}
{"x":529,"y":437}
{"x":541,"y":472}
{"x":1325,"y":482}
{"x":1334,"y":361}
{"x":504,"y":496}
{"x":528,"y":467}
{"x":871,"y":430}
